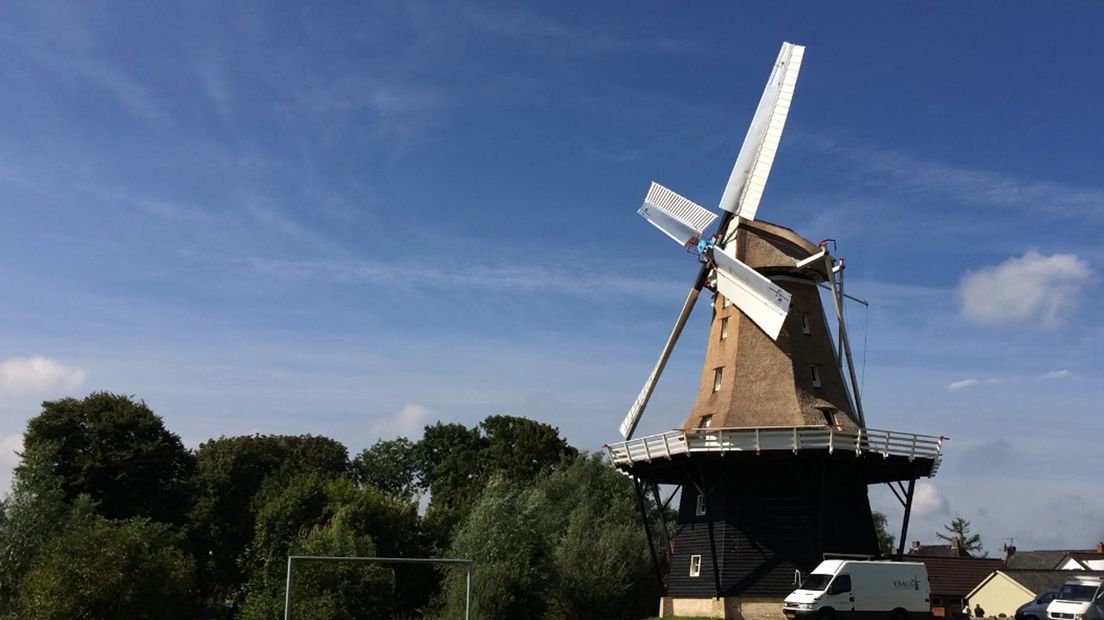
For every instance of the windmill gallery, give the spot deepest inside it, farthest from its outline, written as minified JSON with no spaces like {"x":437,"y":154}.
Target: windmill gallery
{"x":772,"y":465}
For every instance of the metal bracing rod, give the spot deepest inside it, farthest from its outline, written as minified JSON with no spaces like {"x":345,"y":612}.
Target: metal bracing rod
{"x":895,"y":493}
{"x":846,"y":343}
{"x":678,"y":487}
{"x":839,"y":332}
{"x":662,"y":518}
{"x":905,"y":520}
{"x":648,"y":530}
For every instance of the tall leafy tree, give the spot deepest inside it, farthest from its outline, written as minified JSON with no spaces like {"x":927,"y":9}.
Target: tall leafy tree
{"x":33,"y":513}
{"x":565,"y":545}
{"x":230,"y":472}
{"x":118,"y":452}
{"x":958,"y":531}
{"x":390,"y":466}
{"x":110,"y":569}
{"x":885,"y":539}
{"x":307,"y":513}
{"x":456,"y":462}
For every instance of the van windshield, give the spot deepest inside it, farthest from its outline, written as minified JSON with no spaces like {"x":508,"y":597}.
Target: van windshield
{"x":816,"y":582}
{"x":1076,"y":592}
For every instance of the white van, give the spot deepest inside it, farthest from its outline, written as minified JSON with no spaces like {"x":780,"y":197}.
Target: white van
{"x":1075,"y":597}
{"x":850,"y":588}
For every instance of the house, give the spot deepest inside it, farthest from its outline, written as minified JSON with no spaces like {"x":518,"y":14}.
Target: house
{"x":952,"y":578}
{"x":1046,"y":559}
{"x":1084,"y":560}
{"x":1003,"y":591}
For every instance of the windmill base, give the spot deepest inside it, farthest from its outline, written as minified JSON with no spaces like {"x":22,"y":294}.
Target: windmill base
{"x":728,"y":607}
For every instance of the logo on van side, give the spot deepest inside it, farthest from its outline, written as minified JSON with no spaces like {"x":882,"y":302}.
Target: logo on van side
{"x":907,"y":584}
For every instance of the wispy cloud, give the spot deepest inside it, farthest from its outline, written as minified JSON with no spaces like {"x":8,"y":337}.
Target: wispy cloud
{"x":911,"y":174}
{"x":1056,"y":374}
{"x":969,"y":383}
{"x":514,"y":276}
{"x":1031,"y":289}
{"x":38,"y":376}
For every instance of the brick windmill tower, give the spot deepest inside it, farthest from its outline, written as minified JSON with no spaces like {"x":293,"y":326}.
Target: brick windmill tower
{"x":774,"y":460}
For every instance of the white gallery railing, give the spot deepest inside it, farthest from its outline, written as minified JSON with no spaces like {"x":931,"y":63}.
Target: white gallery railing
{"x":776,"y":438}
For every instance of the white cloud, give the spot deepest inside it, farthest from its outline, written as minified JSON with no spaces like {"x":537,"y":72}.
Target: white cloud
{"x":1031,"y":289}
{"x":1056,"y":374}
{"x":408,"y":422}
{"x":927,"y":501}
{"x":966,"y":383}
{"x":38,"y":376}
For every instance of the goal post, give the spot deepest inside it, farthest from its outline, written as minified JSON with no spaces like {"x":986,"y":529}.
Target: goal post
{"x":332,"y":558}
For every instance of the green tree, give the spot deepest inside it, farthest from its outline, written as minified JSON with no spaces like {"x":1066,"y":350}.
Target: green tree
{"x":116,"y":451}
{"x":521,"y":449}
{"x":390,"y":466}
{"x":230,"y":471}
{"x":308,"y":512}
{"x":602,"y":564}
{"x":885,"y":539}
{"x":567,"y":545}
{"x":958,"y":531}
{"x":29,"y":517}
{"x":456,"y":462}
{"x":513,"y":557}
{"x":110,"y":569}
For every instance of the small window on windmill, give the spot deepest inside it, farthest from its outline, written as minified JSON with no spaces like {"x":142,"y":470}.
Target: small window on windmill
{"x":814,"y":370}
{"x":829,"y":415}
{"x":695,"y":566}
{"x":700,"y":508}
{"x":717,"y":374}
{"x":725,"y":302}
{"x":705,"y":422}
{"x":806,"y":326}
{"x":724,"y":328}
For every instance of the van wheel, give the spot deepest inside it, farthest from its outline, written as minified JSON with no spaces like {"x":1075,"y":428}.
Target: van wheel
{"x":827,"y":614}
{"x":898,"y":614}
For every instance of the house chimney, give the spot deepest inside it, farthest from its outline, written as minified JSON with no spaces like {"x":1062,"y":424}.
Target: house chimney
{"x":916,"y":545}
{"x":1100,"y":547}
{"x":1009,"y":551}
{"x":954,"y":544}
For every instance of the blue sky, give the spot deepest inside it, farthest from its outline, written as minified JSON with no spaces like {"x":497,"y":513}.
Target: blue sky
{"x":359,"y":219}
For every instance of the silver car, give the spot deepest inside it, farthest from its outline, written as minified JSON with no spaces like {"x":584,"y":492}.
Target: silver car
{"x":1036,"y":608}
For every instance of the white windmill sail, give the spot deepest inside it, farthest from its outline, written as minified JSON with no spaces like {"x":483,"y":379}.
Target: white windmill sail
{"x":679,"y":218}
{"x":749,"y":174}
{"x":763,"y":301}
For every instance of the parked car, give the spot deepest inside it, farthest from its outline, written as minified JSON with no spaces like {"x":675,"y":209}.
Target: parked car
{"x":1035,"y":609}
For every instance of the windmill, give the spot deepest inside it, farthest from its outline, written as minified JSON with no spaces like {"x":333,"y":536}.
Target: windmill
{"x":774,"y":460}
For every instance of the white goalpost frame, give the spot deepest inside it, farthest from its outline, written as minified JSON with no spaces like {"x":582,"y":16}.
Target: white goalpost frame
{"x":331,"y":558}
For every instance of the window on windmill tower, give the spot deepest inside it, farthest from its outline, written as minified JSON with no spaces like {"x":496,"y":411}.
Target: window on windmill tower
{"x":695,"y":566}
{"x":806,"y":326}
{"x":724,"y":328}
{"x":725,"y":302}
{"x":829,"y":415}
{"x":699,"y":509}
{"x":705,"y":422}
{"x":717,"y":374}
{"x":814,"y":370}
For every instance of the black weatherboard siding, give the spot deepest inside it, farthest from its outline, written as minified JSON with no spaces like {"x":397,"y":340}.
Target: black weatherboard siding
{"x":770,"y":517}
